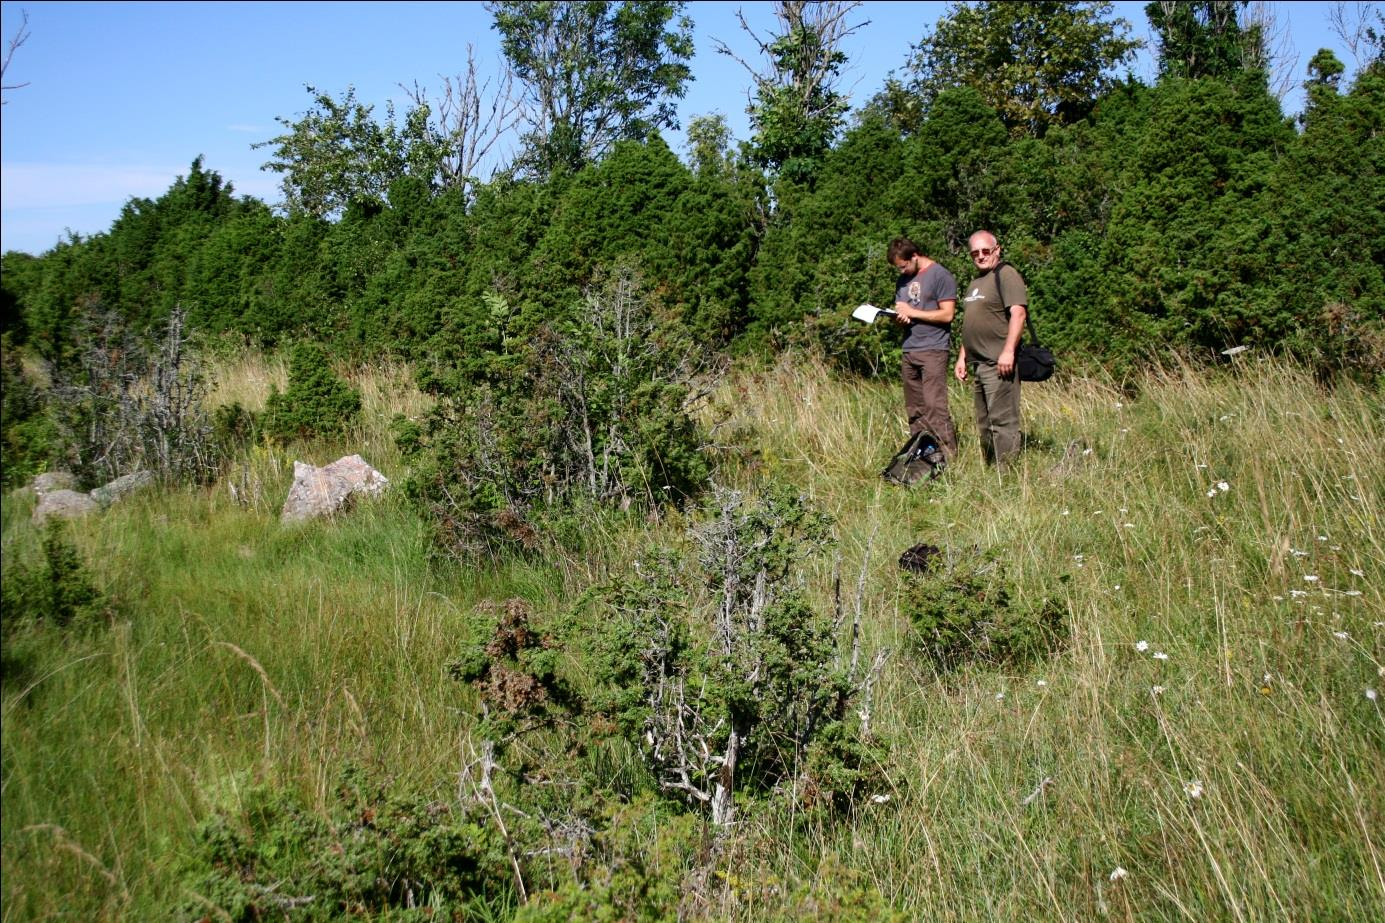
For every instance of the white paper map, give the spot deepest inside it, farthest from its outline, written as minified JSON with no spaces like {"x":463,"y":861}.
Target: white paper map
{"x":867,"y":313}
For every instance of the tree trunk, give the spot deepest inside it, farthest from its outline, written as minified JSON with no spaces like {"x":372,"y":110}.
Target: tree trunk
{"x":723,"y":799}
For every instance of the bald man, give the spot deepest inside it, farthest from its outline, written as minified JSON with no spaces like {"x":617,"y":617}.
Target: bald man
{"x":991,"y":329}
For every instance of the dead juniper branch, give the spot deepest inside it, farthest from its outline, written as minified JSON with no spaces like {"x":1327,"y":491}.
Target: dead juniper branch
{"x":481,"y":791}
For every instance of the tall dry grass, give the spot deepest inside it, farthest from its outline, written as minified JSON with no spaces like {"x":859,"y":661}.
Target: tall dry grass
{"x":1239,"y":776}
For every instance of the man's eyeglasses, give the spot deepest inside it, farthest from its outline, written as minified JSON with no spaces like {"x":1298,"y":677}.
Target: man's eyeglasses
{"x":983,"y":252}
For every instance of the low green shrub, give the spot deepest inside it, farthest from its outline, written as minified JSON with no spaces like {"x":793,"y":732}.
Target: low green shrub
{"x":235,"y":428}
{"x":717,"y":663}
{"x":59,"y":591}
{"x":963,"y":610}
{"x":371,"y":854}
{"x":555,"y":415}
{"x":634,"y":868}
{"x":515,"y":672}
{"x":316,"y":401}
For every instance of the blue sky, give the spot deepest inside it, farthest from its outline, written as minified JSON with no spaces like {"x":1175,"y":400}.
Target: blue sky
{"x":121,"y":97}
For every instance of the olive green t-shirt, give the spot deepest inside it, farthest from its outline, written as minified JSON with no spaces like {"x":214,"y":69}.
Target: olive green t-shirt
{"x":985,"y":320}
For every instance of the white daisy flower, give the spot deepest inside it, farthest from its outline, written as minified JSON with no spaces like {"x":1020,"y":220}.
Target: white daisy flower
{"x":1118,"y":873}
{"x":1370,"y":694}
{"x":1341,"y":635}
{"x":1223,"y":486}
{"x":1156,"y":690}
{"x":1160,"y":655}
{"x":1141,"y":646}
{"x":1310,"y":578}
{"x":1357,"y":573}
{"x":1193,"y":788}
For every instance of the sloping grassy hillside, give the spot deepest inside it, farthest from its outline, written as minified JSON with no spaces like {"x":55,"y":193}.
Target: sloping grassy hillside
{"x":1207,"y":744}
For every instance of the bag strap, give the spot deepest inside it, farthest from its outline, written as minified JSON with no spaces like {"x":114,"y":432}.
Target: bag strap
{"x":1028,"y":322}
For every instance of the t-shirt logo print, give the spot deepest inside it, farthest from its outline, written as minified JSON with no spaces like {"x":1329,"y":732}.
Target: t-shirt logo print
{"x":914,"y":290}
{"x":975,"y":295}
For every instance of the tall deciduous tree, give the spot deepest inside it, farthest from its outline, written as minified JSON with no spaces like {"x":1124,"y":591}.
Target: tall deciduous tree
{"x":709,"y":144}
{"x":337,"y":154}
{"x":1206,"y":38}
{"x":798,"y":110}
{"x":593,"y":73}
{"x":1036,"y":63}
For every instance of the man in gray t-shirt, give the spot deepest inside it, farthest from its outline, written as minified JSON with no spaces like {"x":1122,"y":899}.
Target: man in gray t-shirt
{"x":925,"y":299}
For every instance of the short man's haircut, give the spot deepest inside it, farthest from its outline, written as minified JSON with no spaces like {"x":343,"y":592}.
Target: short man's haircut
{"x":902,"y":248}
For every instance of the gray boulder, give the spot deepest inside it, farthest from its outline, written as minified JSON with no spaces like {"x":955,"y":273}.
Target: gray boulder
{"x":327,"y":490}
{"x":50,"y":481}
{"x":64,"y":504}
{"x":122,"y":487}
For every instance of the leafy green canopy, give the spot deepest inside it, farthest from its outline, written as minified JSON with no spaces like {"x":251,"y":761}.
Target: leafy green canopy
{"x":798,"y":110}
{"x":1206,"y":38}
{"x":593,"y":72}
{"x":337,"y":154}
{"x":1038,"y":64}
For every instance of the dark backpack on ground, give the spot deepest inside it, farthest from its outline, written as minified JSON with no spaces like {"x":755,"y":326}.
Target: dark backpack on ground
{"x":921,"y":458}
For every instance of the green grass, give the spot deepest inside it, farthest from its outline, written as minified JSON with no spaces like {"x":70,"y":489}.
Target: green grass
{"x":246,"y":652}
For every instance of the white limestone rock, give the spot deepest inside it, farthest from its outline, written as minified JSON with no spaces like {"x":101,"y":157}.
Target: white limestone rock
{"x":328,"y":490}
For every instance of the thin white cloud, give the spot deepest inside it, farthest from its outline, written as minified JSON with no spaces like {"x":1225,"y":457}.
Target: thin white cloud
{"x":247,"y":129}
{"x":45,"y":185}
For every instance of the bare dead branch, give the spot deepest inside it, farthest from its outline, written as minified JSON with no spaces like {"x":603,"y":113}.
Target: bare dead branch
{"x":1351,"y":22}
{"x":826,"y":20}
{"x":1280,"y":57}
{"x":21,"y":35}
{"x":472,"y":117}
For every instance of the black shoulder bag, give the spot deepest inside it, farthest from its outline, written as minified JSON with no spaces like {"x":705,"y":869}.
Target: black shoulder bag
{"x":1033,"y":362}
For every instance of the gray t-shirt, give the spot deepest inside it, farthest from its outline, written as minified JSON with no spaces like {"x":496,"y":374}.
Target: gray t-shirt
{"x":924,"y":291}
